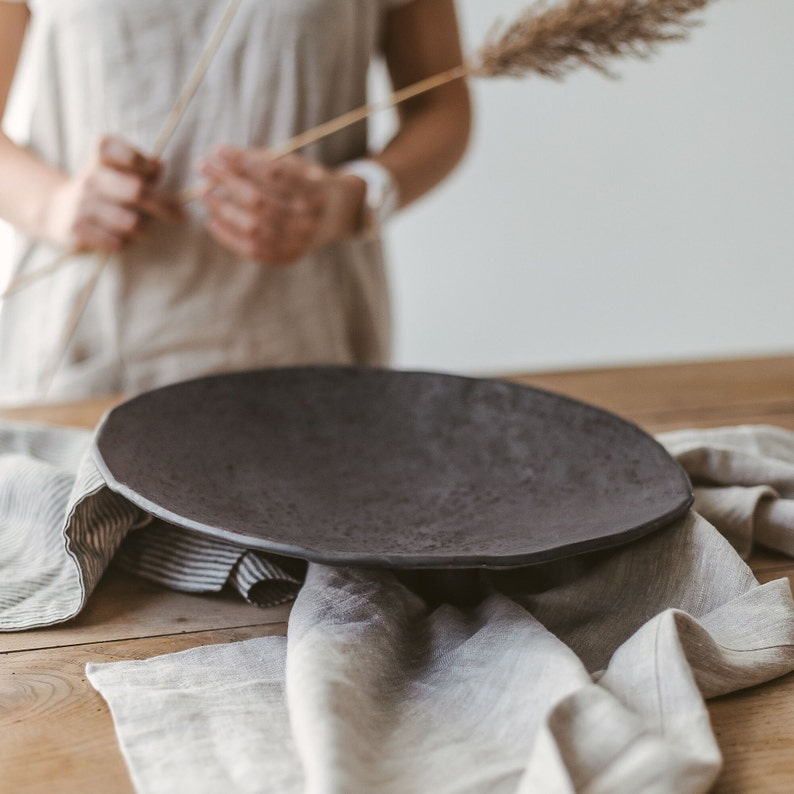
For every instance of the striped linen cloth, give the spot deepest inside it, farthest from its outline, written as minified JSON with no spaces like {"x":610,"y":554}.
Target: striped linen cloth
{"x":60,"y":527}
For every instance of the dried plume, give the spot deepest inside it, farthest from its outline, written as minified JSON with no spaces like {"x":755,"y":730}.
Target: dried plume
{"x":553,"y":41}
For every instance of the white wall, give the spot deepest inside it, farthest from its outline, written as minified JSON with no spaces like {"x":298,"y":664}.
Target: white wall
{"x":599,"y":221}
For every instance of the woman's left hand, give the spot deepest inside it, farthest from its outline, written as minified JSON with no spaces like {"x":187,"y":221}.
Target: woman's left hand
{"x":276,"y":211}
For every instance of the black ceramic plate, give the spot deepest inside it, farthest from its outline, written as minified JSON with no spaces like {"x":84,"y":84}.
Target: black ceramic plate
{"x":381,"y":467}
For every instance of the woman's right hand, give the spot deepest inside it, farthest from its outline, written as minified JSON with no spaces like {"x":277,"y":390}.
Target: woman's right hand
{"x":108,"y":205}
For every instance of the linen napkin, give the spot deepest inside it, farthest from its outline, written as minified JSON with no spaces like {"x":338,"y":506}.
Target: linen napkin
{"x":596,"y":685}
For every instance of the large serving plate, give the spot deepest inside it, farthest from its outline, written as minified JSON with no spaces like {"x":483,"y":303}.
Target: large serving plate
{"x":387,"y":468}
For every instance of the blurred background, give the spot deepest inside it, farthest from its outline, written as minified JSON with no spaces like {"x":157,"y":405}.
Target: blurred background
{"x":598,"y":221}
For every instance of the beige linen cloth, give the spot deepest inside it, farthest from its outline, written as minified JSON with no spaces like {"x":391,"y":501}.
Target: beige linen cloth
{"x":596,"y":685}
{"x":592,"y":686}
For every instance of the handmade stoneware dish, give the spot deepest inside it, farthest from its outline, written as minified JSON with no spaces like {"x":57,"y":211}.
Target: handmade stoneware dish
{"x":374,"y":467}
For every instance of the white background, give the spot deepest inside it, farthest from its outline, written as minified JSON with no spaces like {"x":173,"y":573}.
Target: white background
{"x":599,"y":222}
{"x":595,"y":221}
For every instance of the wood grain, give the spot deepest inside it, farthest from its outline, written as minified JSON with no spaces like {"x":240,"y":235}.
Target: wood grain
{"x":684,"y":392}
{"x":79,"y":414}
{"x":755,"y":731}
{"x":56,"y":731}
{"x":123,"y":606}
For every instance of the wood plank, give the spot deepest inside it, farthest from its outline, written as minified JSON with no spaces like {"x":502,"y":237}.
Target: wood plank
{"x":779,"y":573}
{"x":57,"y":733}
{"x":125,"y":607}
{"x":667,"y":391}
{"x":681,"y":388}
{"x":752,"y":415}
{"x":729,"y":391}
{"x":79,"y":414}
{"x":755,"y":731}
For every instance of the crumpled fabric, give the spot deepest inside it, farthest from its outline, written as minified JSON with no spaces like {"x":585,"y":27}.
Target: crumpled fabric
{"x":595,"y":684}
{"x":743,"y":479}
{"x":61,"y":527}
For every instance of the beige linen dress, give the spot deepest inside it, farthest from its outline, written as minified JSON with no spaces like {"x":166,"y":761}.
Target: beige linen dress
{"x":177,"y":305}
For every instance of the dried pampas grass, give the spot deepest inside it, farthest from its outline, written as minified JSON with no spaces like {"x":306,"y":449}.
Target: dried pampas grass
{"x":550,"y":41}
{"x":553,"y":41}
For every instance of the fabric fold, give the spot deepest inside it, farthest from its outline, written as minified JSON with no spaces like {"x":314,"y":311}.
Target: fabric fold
{"x":380,"y":692}
{"x":189,"y":706}
{"x":744,"y":481}
{"x":61,"y":527}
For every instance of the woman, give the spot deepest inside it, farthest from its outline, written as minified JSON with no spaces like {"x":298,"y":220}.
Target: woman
{"x":277,"y":264}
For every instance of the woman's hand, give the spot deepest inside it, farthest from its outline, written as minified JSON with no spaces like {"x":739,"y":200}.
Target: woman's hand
{"x":278,"y":211}
{"x":108,"y":205}
{"x":104,"y":207}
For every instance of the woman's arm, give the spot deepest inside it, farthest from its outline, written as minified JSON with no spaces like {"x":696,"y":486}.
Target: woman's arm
{"x":422,"y":39}
{"x":276,"y":212}
{"x":23,"y":209}
{"x":103,"y":207}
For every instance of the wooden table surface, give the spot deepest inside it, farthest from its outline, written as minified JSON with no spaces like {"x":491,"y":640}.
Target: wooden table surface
{"x":56,"y":734}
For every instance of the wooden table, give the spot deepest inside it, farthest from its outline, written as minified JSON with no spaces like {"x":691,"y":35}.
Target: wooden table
{"x":56,"y":735}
